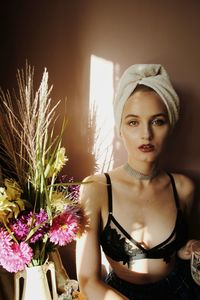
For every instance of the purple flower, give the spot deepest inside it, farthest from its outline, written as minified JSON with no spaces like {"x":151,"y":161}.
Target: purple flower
{"x":39,"y":218}
{"x":72,"y":190}
{"x":27,"y":221}
{"x":20,"y":227}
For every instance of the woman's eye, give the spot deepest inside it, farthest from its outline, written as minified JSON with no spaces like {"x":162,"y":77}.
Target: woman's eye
{"x":158,"y":122}
{"x":133,"y":123}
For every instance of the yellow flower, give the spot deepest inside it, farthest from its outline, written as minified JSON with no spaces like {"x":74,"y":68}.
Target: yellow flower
{"x":13,"y":190}
{"x":5,"y":204}
{"x":5,"y":209}
{"x":58,"y":201}
{"x":59,"y":162}
{"x":3,"y":195}
{"x":10,"y":202}
{"x":60,"y":159}
{"x":18,"y":207}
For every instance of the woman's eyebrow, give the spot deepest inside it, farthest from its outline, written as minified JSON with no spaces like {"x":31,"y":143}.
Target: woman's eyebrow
{"x":160,"y":115}
{"x":131,"y":116}
{"x":153,"y":116}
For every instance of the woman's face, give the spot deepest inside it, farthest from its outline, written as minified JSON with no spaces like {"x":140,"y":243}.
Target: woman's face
{"x":145,"y":126}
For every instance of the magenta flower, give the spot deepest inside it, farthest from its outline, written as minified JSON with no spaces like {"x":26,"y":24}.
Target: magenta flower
{"x":26,"y":221}
{"x":40,"y":218}
{"x":64,"y":227}
{"x":13,"y":257}
{"x":20,"y":227}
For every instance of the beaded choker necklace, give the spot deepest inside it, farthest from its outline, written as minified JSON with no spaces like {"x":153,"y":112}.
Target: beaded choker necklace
{"x":138,"y":175}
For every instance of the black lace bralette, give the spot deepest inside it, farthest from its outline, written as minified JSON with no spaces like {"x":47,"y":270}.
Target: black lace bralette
{"x":120,"y":246}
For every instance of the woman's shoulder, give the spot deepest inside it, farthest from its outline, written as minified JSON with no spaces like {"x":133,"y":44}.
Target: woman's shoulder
{"x":185,"y":187}
{"x":184,"y":183}
{"x":93,"y":189}
{"x":93,"y":182}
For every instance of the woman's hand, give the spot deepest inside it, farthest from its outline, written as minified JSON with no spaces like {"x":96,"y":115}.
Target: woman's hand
{"x":186,"y":251}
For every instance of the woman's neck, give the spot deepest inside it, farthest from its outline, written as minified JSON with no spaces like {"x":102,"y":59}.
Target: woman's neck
{"x":141,"y":171}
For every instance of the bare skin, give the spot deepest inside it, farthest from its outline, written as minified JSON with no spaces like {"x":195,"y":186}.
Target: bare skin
{"x":145,"y":209}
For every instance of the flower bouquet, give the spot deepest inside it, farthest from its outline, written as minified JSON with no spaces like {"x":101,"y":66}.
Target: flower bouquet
{"x":39,"y":208}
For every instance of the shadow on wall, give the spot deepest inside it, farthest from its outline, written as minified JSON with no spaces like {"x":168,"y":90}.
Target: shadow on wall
{"x":82,"y":160}
{"x":68,"y":259}
{"x":183,"y":150}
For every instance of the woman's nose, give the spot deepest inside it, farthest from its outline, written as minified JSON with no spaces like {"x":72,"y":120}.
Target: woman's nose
{"x":147,"y":133}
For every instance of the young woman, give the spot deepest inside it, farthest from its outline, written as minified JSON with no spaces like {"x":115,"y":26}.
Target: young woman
{"x":136,"y":210}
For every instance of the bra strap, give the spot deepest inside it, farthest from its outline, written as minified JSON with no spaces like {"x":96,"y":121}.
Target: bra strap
{"x":176,"y":197}
{"x":109,"y":189}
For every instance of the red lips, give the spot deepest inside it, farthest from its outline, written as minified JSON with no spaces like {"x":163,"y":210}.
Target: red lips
{"x":146,"y":148}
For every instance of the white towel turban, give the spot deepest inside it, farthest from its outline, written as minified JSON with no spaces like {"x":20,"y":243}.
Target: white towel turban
{"x":152,"y":75}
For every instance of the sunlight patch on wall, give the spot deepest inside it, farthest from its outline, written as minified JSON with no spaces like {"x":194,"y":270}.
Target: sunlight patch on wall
{"x":101,"y":112}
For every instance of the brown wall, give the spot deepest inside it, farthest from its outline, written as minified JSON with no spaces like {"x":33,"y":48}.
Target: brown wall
{"x":62,"y":35}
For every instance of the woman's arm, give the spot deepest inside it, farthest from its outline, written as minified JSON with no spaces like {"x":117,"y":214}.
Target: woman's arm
{"x":88,"y":256}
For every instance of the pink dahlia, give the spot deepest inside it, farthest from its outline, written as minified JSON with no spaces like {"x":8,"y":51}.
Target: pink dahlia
{"x":5,"y":238}
{"x":13,"y":257}
{"x":64,"y":227}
